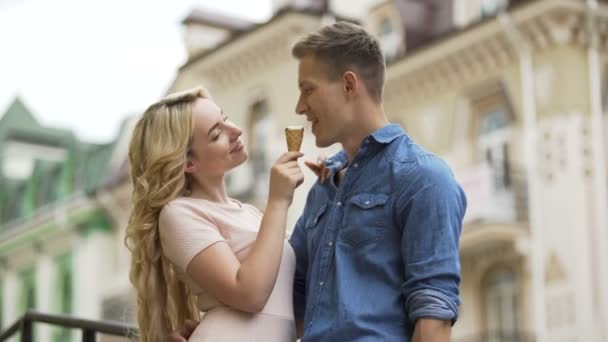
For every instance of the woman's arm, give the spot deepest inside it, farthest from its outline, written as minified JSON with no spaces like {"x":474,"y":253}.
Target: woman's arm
{"x":246,"y":286}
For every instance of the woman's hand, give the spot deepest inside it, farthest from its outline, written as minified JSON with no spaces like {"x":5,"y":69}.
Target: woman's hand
{"x":285,"y":177}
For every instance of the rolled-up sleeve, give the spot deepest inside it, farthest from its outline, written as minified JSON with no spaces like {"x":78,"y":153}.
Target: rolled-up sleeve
{"x":432,"y":211}
{"x":298,"y":243}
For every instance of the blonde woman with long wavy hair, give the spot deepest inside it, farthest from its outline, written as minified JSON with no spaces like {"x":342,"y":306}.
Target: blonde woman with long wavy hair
{"x":195,"y":249}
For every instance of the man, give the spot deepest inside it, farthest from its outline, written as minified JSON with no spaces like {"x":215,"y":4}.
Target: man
{"x":377,"y":244}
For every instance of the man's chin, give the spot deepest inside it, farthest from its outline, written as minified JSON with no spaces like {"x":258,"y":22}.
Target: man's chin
{"x":322,"y":144}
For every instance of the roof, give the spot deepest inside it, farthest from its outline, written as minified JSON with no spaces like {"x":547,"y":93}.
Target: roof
{"x":310,"y":9}
{"x":217,"y":19}
{"x":445,"y":34}
{"x":17,"y":114}
{"x":19,"y":123}
{"x":84,"y":168}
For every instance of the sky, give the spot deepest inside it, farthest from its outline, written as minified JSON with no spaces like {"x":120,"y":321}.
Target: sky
{"x":85,"y":65}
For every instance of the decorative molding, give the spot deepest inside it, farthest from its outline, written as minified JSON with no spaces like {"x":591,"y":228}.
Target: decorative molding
{"x":481,"y":53}
{"x":480,"y":261}
{"x":554,"y":270}
{"x":560,"y":308}
{"x":242,"y":59}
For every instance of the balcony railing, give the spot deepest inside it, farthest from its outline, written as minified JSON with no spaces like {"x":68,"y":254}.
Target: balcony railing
{"x":489,"y":203}
{"x":499,"y":336}
{"x":89,"y":328}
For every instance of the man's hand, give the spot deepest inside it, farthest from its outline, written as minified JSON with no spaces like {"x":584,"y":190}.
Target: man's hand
{"x":183,"y":333}
{"x":432,"y":330}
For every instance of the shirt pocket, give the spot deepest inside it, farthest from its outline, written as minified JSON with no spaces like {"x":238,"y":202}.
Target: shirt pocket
{"x":365,"y":218}
{"x":312,"y":227}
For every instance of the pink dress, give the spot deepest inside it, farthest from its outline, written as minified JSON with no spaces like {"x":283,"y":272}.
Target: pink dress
{"x":187,"y":226}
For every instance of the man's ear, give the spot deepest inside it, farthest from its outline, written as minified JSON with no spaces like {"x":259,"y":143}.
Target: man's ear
{"x":351,"y":83}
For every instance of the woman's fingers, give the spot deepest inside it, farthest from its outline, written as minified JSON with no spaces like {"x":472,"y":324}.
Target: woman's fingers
{"x":289,"y":156}
{"x":314,"y":167}
{"x":318,"y":169}
{"x":324,"y":174}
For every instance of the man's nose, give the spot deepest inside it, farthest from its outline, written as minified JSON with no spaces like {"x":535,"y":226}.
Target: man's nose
{"x":301,"y":107}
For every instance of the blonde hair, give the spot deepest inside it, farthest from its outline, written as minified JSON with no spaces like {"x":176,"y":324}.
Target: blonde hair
{"x":157,"y":156}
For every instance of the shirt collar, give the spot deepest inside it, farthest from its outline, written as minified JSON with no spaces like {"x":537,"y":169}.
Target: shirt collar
{"x":387,"y":134}
{"x":384,"y":135}
{"x":337,"y":161}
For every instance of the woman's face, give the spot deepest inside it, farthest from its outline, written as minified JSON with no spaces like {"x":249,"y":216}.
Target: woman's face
{"x":216,"y":145}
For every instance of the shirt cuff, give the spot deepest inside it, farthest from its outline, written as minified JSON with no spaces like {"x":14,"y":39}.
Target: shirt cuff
{"x":431,"y":304}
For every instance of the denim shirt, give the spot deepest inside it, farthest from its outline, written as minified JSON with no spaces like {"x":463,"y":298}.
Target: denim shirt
{"x":380,"y":250}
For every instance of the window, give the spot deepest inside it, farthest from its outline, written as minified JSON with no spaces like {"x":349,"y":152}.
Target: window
{"x":494,"y":118}
{"x":388,"y":38}
{"x":28,"y":290}
{"x":63,"y":294}
{"x":260,"y":127}
{"x":27,"y":295}
{"x":501,"y":306}
{"x":489,"y":8}
{"x":605,"y":91}
{"x":385,"y":27}
{"x":14,"y":208}
{"x":1,"y":304}
{"x":494,"y":147}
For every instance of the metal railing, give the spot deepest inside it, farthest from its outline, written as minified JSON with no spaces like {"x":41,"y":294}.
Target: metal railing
{"x":499,"y":336}
{"x":89,"y":328}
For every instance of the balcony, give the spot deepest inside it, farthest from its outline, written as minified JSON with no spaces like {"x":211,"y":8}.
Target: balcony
{"x":499,"y":336}
{"x":497,"y":206}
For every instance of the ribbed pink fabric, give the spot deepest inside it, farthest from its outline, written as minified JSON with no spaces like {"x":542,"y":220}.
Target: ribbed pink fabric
{"x":187,"y":226}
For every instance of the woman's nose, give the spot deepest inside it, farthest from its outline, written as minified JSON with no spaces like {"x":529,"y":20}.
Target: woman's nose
{"x":236,"y":130}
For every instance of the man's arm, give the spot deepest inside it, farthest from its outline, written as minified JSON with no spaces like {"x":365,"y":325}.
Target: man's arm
{"x":299,"y":328}
{"x":299,"y":245}
{"x":183,"y":333}
{"x":431,"y":209}
{"x":432,"y":330}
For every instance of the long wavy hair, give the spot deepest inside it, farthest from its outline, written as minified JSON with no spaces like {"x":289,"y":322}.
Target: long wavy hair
{"x":158,"y":152}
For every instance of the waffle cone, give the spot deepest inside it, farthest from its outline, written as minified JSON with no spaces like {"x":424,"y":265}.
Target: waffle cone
{"x":294,"y":136}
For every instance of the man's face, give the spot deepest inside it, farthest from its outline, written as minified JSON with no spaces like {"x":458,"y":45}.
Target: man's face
{"x":322,"y":101}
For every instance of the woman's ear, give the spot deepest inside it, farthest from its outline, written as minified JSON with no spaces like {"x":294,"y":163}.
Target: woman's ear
{"x":191,"y":167}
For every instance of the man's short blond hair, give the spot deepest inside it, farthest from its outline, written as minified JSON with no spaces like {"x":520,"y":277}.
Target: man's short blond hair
{"x":344,"y":46}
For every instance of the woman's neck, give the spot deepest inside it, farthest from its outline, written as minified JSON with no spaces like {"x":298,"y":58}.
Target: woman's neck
{"x":213,"y":190}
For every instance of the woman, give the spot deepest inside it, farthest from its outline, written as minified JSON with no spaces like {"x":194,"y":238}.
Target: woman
{"x":195,"y":249}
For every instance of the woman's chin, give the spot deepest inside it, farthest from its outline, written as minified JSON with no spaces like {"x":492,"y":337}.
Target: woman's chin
{"x":241,"y":159}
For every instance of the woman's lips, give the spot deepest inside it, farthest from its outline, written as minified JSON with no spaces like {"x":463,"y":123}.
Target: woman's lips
{"x":238,"y":147}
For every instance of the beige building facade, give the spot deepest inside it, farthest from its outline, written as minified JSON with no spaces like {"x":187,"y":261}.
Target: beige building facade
{"x":510,"y":94}
{"x":513,"y":94}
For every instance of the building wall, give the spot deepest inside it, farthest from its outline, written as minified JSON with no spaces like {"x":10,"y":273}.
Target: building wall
{"x":445,"y":120}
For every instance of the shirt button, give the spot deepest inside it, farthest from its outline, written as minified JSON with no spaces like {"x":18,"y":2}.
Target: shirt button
{"x":366,"y":203}
{"x":330,"y":243}
{"x":321,"y":283}
{"x":339,"y":204}
{"x":355,"y":165}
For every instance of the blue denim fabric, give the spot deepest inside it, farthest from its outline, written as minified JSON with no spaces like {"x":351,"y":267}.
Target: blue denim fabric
{"x":379,"y":251}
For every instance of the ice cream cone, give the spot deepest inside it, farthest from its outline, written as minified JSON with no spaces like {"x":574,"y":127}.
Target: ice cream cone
{"x":294,"y":135}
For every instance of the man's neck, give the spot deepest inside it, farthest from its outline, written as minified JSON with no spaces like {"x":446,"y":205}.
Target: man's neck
{"x":362,"y":129}
{"x":340,"y":176}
